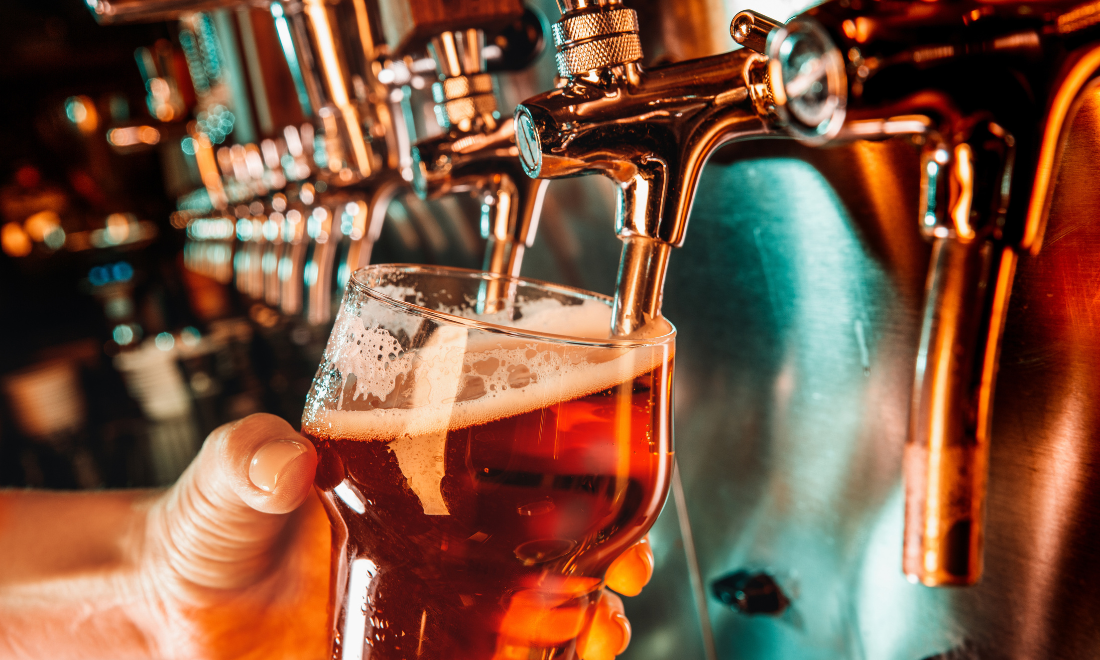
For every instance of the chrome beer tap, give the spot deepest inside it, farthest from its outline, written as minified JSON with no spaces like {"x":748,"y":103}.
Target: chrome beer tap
{"x":477,"y":152}
{"x":649,"y":130}
{"x":989,"y":92}
{"x":339,"y":48}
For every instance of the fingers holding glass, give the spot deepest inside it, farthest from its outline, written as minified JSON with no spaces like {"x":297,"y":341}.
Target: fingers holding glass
{"x":632,"y":570}
{"x":609,"y":634}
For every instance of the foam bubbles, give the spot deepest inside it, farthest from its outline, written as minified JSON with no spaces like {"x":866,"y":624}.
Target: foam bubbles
{"x":372,"y":355}
{"x":374,"y":385}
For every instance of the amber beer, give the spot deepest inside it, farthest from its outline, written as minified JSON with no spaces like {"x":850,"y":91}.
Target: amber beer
{"x":537,"y":504}
{"x":486,"y":451}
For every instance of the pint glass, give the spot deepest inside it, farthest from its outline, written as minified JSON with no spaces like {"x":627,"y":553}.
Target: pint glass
{"x":485,"y":452}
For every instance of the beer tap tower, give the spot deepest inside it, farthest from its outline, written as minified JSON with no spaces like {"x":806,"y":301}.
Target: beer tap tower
{"x":990,"y":91}
{"x":476,"y":151}
{"x":333,"y":46}
{"x":651,"y":131}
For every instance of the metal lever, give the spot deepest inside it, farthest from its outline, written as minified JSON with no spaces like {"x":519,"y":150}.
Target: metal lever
{"x":751,"y":30}
{"x":965,"y":188}
{"x":651,"y":131}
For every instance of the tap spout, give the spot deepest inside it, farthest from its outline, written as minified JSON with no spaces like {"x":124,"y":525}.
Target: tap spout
{"x":651,"y":131}
{"x":485,"y":164}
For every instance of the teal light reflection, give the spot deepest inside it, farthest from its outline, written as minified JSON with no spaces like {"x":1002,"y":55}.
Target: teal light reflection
{"x":287,"y":43}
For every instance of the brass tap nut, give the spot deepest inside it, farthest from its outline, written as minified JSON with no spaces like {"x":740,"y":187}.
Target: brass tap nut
{"x":594,"y":39}
{"x":458,"y":87}
{"x":462,"y":98}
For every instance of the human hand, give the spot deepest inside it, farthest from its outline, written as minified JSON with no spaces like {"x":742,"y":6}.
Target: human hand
{"x":553,"y":613}
{"x":610,"y":631}
{"x":235,"y":558}
{"x":237,"y":553}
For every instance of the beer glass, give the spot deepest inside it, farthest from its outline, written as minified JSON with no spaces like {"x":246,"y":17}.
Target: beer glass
{"x":486,"y":451}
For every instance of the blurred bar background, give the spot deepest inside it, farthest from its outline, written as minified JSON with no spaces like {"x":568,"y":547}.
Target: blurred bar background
{"x":142,"y":162}
{"x":180,"y":200}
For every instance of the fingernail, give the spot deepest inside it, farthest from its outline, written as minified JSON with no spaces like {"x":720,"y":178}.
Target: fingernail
{"x":270,"y":460}
{"x":624,"y":630}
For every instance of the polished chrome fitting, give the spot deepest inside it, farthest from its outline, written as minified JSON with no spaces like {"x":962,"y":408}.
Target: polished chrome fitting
{"x":462,"y":98}
{"x":595,"y":38}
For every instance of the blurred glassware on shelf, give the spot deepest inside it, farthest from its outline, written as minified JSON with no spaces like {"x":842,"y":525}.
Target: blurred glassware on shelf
{"x":154,"y":380}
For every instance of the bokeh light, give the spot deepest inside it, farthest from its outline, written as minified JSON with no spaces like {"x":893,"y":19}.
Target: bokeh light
{"x":165,"y":341}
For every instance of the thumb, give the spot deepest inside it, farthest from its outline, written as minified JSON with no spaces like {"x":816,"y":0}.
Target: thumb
{"x":219,"y":525}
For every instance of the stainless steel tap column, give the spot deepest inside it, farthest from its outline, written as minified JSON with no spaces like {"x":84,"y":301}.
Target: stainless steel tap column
{"x":651,"y":131}
{"x":843,"y":73}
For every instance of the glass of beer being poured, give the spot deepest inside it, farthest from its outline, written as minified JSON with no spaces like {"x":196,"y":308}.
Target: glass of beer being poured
{"x":486,"y":451}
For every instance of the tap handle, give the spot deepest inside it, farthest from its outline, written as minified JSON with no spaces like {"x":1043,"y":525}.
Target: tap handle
{"x":320,"y":269}
{"x":333,"y":41}
{"x":969,"y":282}
{"x":751,"y":30}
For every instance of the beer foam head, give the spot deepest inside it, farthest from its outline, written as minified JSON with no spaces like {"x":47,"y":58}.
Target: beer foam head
{"x":373,"y":385}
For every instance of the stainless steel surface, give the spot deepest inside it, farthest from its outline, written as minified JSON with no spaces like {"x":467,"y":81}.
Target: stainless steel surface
{"x":791,"y":421}
{"x":988,"y":148}
{"x":332,"y":40}
{"x":793,"y":387}
{"x":795,"y":467}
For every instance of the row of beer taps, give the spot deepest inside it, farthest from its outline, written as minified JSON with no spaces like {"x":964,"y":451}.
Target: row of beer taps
{"x":984,"y":92}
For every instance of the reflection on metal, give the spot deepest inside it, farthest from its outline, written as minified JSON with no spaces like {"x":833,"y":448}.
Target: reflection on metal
{"x":651,"y":131}
{"x":477,"y":152}
{"x":976,"y":231}
{"x":793,"y":404}
{"x":332,"y":66}
{"x":286,"y":43}
{"x":1067,"y":99}
{"x":108,"y":12}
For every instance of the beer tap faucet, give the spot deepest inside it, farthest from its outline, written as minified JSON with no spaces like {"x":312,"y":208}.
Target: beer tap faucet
{"x":989,"y":90}
{"x":649,"y":130}
{"x":477,"y":152}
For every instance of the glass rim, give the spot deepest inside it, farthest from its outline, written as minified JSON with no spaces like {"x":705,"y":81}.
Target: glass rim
{"x":355,"y":282}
